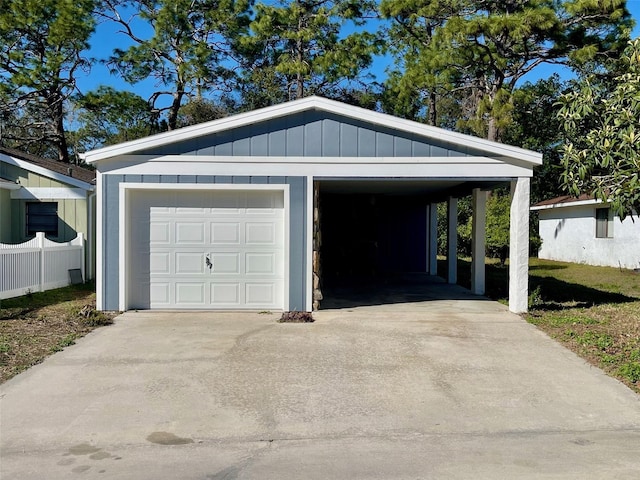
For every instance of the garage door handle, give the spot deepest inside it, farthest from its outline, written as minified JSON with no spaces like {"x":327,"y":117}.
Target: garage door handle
{"x":207,"y":261}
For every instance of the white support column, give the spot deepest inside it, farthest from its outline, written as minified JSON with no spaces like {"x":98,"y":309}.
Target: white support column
{"x":478,"y":234}
{"x":519,"y":246}
{"x":433,"y":239}
{"x":452,"y":240}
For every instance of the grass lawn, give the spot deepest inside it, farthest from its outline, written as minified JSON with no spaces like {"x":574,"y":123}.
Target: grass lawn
{"x":34,"y":326}
{"x":594,"y":311}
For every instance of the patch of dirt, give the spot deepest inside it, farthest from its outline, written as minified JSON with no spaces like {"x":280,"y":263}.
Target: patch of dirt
{"x":34,"y":327}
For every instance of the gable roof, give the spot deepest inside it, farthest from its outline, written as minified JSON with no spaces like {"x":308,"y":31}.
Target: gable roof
{"x":565,"y":201}
{"x":320,"y":104}
{"x":64,"y":172}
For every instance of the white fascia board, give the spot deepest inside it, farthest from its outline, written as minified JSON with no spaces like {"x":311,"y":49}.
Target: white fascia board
{"x":5,"y":185}
{"x":184,"y":160}
{"x":43,"y":193}
{"x":460,"y":170}
{"x":310,"y":103}
{"x":45,"y":172}
{"x":429,"y":131}
{"x":194,"y":131}
{"x":565,"y":204}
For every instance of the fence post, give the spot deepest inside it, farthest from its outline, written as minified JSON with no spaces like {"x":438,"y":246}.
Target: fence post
{"x":82,"y":263}
{"x":40,"y":240}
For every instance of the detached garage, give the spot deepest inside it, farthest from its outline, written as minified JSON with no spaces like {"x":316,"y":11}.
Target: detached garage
{"x":256,"y":210}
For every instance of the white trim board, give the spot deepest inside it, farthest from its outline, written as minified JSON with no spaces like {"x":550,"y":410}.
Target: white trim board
{"x":44,"y":193}
{"x":459,"y":171}
{"x":45,"y":172}
{"x":318,"y":104}
{"x":124,"y":212}
{"x":6,"y":185}
{"x":566,"y":204}
{"x":99,"y":242}
{"x":309,"y":246}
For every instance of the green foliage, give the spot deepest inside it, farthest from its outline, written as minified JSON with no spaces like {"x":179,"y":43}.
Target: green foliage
{"x":537,"y":127}
{"x":41,"y":46}
{"x":601,"y":341}
{"x":200,"y":110}
{"x":297,"y":48}
{"x":67,"y":341}
{"x":535,"y":297}
{"x":189,"y":51}
{"x":497,"y":226}
{"x":5,"y":344}
{"x":485,"y":48}
{"x":602,"y":123}
{"x":108,"y":116}
{"x":631,"y":371}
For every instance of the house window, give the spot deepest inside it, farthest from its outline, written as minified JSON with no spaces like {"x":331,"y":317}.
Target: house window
{"x":42,"y":217}
{"x":604,"y":223}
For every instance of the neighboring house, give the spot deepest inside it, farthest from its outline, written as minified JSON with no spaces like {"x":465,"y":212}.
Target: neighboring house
{"x":42,"y":195}
{"x":585,"y":230}
{"x":259,"y":210}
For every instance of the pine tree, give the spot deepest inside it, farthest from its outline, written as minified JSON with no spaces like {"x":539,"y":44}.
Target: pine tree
{"x":189,"y":52}
{"x":486,"y":47}
{"x":298,"y":48}
{"x":41,"y":53}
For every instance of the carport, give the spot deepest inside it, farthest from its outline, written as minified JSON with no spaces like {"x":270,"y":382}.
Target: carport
{"x":259,"y":210}
{"x":371,"y":229}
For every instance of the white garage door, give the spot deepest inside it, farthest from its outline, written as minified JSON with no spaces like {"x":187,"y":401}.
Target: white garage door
{"x":216,"y":249}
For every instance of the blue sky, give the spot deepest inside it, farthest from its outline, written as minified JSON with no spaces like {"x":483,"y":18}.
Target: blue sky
{"x":105,"y":40}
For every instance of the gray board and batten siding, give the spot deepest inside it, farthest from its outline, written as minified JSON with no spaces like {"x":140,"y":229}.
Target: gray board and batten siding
{"x":297,"y":230}
{"x":313,"y":134}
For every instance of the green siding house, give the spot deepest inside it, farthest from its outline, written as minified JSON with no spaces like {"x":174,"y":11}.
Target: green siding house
{"x":42,"y":195}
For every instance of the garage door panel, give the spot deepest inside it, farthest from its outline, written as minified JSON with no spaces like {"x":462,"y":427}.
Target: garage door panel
{"x":159,"y":263}
{"x":225,"y":263}
{"x":260,"y":233}
{"x":190,"y":232}
{"x":159,"y":294}
{"x":260,"y":263}
{"x":241,"y":234}
{"x":189,"y":294}
{"x":225,"y":294}
{"x":159,"y":233}
{"x":259,"y":294}
{"x":189,"y":263}
{"x":191,"y":211}
{"x":225,"y":233}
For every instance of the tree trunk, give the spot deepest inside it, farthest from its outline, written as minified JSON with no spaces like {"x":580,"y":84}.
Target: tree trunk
{"x":56,"y":107}
{"x":172,"y":118}
{"x":433,"y":113}
{"x":493,"y":132}
{"x":299,"y":75}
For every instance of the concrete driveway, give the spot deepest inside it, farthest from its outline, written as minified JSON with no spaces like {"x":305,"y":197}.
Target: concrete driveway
{"x":417,"y":390}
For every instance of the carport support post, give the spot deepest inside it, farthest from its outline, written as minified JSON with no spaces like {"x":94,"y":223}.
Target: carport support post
{"x":519,"y":246}
{"x":478,"y":234}
{"x":433,"y":239}
{"x":452,"y":240}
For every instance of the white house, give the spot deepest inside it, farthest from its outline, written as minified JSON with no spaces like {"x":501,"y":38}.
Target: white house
{"x":585,"y":230}
{"x":241,"y":212}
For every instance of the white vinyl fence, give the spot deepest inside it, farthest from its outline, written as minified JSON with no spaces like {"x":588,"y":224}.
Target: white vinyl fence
{"x":38,"y":265}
